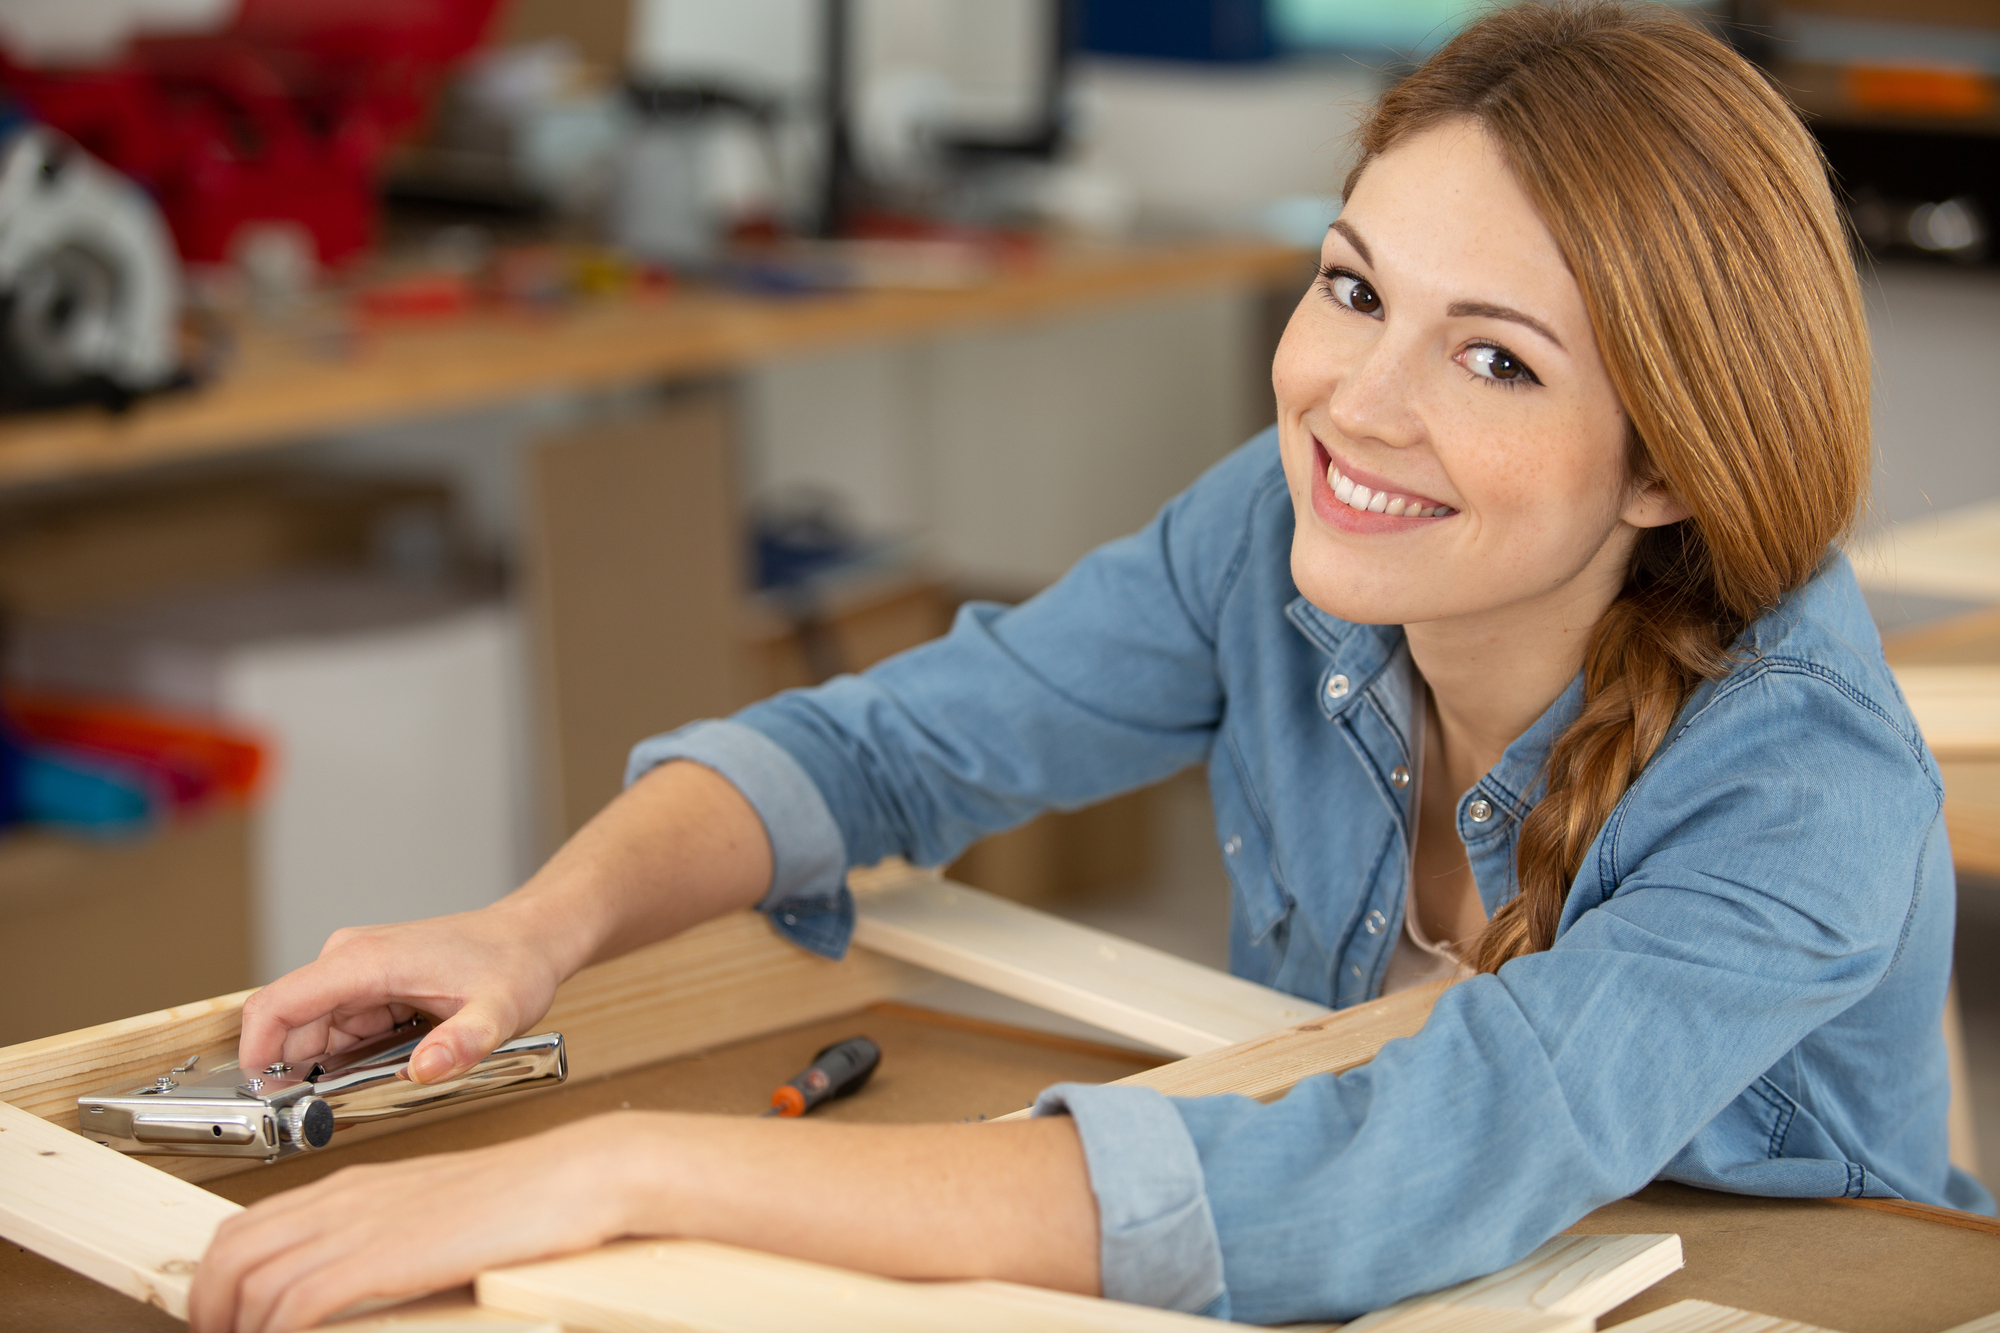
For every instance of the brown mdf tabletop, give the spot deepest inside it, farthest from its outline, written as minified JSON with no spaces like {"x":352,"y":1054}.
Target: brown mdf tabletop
{"x":1843,"y":1266}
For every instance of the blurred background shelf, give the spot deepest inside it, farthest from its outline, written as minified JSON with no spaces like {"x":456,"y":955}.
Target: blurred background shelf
{"x":280,"y":388}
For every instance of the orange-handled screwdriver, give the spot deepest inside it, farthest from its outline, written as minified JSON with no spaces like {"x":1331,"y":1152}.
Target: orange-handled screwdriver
{"x":837,"y":1071}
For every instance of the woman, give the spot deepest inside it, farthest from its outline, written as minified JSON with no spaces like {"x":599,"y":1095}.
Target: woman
{"x":1519,"y":644}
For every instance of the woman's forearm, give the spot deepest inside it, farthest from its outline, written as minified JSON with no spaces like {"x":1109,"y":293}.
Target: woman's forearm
{"x":1008,"y":1201}
{"x":679,"y":846}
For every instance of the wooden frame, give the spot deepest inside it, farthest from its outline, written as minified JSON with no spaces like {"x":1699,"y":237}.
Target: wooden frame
{"x":139,"y":1224}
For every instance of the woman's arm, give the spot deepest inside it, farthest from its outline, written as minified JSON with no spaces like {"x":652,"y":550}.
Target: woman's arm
{"x":679,"y":846}
{"x":924,"y":1201}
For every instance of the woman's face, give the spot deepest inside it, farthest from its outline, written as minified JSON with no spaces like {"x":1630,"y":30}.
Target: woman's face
{"x":1450,"y":434}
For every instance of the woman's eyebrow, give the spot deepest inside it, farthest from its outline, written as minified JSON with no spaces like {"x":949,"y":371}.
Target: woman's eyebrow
{"x":1346,"y":229}
{"x":1486,"y":310}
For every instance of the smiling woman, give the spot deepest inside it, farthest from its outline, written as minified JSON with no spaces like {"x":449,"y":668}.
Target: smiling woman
{"x":1517,"y":651}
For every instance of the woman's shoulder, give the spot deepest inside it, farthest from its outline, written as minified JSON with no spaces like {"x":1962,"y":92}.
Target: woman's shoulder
{"x":1819,"y":641}
{"x":1807,"y":731}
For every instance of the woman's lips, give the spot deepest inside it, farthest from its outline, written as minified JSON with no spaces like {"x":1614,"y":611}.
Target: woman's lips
{"x":1367,"y":503}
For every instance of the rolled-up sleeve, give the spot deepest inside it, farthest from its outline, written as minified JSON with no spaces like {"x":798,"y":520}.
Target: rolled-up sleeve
{"x":808,"y":899}
{"x":1158,"y":1244}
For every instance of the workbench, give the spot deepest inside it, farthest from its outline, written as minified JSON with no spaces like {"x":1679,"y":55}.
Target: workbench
{"x":1830,"y":1263}
{"x":713,"y":1020}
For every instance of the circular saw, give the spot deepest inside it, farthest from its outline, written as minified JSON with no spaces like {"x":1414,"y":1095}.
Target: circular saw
{"x":90,"y":290}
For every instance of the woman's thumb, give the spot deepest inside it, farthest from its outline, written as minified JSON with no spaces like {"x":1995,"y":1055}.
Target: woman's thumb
{"x":458,"y":1043}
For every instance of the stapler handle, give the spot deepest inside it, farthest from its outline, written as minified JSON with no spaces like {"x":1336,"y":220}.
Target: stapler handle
{"x":380,"y":1087}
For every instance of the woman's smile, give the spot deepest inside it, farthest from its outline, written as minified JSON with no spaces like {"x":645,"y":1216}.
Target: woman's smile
{"x":1352,"y":500}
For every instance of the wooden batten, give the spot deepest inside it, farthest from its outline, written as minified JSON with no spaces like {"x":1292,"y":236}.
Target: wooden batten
{"x":102,"y":1213}
{"x":1984,"y":1324}
{"x":1100,"y":978}
{"x":1267,"y":1067}
{"x":1582,"y":1276}
{"x":1704,"y":1317}
{"x":702,"y":1287}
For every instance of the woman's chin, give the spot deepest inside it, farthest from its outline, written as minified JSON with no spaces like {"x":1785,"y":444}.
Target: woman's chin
{"x":1348,"y":595}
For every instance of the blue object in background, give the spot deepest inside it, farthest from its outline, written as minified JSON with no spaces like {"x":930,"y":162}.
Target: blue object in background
{"x":1216,"y":31}
{"x":11,"y":759}
{"x":82,"y":793}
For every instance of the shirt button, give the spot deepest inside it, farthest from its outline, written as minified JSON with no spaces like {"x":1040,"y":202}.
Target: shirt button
{"x":789,"y":919}
{"x":1356,"y":970}
{"x":1375,"y":922}
{"x":1399,"y":777}
{"x":1480,"y":810}
{"x":1233,"y":846}
{"x":1336,"y":687}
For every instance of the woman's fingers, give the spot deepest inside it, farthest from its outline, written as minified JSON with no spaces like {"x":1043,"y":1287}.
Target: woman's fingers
{"x":401,"y":1229}
{"x":464,"y":1039}
{"x":242,"y":1245}
{"x":482,"y":968}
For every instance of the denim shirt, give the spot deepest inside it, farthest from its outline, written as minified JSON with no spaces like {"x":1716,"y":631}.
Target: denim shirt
{"x":1745,"y":992}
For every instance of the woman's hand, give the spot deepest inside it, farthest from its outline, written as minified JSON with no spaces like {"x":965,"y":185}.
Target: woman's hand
{"x":488,"y":974}
{"x":402,"y":1229}
{"x":681,"y":845}
{"x":1008,"y":1201}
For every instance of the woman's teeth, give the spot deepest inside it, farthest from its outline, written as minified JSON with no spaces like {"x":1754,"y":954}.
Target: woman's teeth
{"x":1379,"y":502}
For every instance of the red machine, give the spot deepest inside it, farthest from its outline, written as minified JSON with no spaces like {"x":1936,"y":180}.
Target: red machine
{"x":279,"y":117}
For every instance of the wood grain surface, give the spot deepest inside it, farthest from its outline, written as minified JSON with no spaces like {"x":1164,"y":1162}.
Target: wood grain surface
{"x":1134,"y":991}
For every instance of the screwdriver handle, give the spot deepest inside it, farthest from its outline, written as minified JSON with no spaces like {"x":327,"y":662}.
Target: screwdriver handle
{"x":838,"y":1071}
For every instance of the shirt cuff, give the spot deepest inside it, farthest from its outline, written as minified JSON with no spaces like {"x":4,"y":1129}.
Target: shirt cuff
{"x":1158,"y":1241}
{"x":808,"y":900}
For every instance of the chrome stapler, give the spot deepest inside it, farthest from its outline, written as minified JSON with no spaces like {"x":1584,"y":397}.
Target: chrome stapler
{"x":208,"y":1106}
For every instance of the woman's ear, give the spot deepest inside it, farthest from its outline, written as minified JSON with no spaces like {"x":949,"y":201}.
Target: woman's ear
{"x":1652,"y":504}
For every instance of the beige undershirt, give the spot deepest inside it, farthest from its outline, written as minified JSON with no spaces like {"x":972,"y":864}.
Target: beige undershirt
{"x":1416,"y":959}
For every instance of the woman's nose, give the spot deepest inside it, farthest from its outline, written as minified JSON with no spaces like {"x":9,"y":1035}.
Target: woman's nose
{"x":1373,"y":400}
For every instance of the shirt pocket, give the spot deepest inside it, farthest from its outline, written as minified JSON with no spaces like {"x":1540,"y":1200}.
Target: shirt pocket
{"x":1261,"y":903}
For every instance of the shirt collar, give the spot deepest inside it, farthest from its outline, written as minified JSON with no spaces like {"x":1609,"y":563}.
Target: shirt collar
{"x":1362,"y":652}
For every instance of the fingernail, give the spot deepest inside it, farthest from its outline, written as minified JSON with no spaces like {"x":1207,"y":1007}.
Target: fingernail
{"x":430,"y":1063}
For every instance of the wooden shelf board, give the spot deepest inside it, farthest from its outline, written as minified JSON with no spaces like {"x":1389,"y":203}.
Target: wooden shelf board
{"x":278,"y":390}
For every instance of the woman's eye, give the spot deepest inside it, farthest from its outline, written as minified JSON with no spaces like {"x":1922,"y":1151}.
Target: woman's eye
{"x":1352,"y":292}
{"x":1497,"y":363}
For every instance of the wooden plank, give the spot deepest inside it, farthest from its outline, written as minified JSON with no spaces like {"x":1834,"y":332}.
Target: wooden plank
{"x":1069,"y":969}
{"x":102,"y":1213}
{"x":1705,"y":1317}
{"x":1985,"y":1324}
{"x":1266,"y":1067}
{"x":1584,"y":1276}
{"x":1461,"y":1319}
{"x":726,"y":980}
{"x":1953,"y":554}
{"x":702,"y":1287}
{"x":278,"y":389}
{"x":1957,"y":708}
